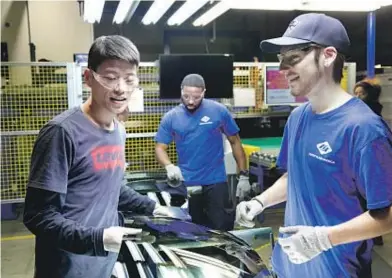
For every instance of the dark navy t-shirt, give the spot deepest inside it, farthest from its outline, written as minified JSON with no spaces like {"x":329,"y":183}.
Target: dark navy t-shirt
{"x":74,"y":192}
{"x":339,"y":165}
{"x":199,"y":141}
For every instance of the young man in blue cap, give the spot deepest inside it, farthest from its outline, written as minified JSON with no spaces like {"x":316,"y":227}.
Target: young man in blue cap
{"x":75,"y":186}
{"x":196,"y":126}
{"x":338,"y":158}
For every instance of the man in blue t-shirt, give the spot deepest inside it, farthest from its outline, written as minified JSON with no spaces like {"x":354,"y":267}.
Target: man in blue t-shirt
{"x":196,"y":127}
{"x":75,"y":186}
{"x":338,"y":158}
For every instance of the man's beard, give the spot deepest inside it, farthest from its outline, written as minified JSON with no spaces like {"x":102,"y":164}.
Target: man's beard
{"x":192,"y":110}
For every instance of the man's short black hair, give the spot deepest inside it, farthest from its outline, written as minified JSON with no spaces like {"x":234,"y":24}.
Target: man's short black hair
{"x":112,"y":47}
{"x":193,"y":80}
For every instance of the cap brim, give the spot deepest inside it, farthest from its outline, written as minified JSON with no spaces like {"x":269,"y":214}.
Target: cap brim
{"x":274,"y":45}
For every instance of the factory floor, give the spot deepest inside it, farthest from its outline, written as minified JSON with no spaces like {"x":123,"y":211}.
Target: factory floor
{"x":17,"y":249}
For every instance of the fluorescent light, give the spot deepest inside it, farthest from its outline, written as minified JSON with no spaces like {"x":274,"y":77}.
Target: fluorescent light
{"x":125,"y":9}
{"x":338,"y":5}
{"x":156,"y":11}
{"x":310,"y":5}
{"x":279,"y":5}
{"x":384,"y":2}
{"x":93,"y":10}
{"x":217,"y":10}
{"x":88,"y":15}
{"x":186,"y":10}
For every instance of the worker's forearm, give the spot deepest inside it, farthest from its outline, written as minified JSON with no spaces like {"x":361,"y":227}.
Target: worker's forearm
{"x":239,"y":155}
{"x":162,"y":156}
{"x":276,"y":194}
{"x":130,"y":200}
{"x":43,"y":218}
{"x":363,"y":227}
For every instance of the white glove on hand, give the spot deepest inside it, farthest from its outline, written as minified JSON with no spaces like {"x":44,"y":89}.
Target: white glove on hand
{"x":113,"y":236}
{"x":305,"y":242}
{"x":185,"y":205}
{"x":161,"y":211}
{"x":243,"y":187}
{"x":174,"y":172}
{"x":246,"y":212}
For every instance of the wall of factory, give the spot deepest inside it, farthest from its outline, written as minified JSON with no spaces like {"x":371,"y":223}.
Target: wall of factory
{"x":14,"y":30}
{"x":56,"y":29}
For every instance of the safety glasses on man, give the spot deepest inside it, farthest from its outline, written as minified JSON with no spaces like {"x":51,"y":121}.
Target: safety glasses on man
{"x":128,"y":83}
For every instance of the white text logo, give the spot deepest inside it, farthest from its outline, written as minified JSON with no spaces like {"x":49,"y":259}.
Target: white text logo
{"x":322,"y":158}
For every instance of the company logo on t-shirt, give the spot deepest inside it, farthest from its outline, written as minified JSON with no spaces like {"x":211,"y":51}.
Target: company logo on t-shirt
{"x":324,"y":148}
{"x":205,"y":121}
{"x":108,"y":157}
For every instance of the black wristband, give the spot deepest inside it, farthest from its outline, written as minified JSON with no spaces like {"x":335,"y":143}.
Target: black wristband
{"x":244,"y":173}
{"x":257,"y":200}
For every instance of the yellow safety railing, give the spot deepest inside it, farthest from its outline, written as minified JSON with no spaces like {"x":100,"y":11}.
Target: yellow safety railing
{"x":31,"y":94}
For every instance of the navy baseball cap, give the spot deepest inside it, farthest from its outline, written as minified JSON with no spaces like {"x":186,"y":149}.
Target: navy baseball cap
{"x":308,"y":28}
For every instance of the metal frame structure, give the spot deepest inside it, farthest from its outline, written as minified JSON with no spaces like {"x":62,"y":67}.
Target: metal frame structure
{"x":371,"y":43}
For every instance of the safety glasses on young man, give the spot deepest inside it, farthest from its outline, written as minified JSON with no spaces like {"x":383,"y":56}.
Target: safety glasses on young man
{"x":131,"y":83}
{"x":292,"y":57}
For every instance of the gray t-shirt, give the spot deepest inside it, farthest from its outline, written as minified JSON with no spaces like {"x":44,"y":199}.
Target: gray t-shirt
{"x":74,"y":190}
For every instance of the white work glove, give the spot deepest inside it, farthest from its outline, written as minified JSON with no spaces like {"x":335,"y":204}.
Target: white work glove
{"x":243,"y":188}
{"x":166,"y":197}
{"x":246,"y":212}
{"x":113,"y":236}
{"x":304,"y":242}
{"x":185,"y":205}
{"x":162,"y":211}
{"x":174,"y":172}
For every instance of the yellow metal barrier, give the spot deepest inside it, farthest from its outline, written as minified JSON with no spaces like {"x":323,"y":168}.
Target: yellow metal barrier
{"x":32,"y":94}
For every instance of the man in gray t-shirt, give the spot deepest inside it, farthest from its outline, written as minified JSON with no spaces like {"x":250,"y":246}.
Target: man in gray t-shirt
{"x":75,"y":186}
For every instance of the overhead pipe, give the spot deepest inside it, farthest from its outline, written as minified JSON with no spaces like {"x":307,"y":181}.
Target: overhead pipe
{"x":32,"y":48}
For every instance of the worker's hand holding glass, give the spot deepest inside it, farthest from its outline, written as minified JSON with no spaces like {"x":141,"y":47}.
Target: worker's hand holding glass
{"x":243,"y":187}
{"x":113,"y":236}
{"x":174,"y":172}
{"x":247,"y":211}
{"x":162,"y":211}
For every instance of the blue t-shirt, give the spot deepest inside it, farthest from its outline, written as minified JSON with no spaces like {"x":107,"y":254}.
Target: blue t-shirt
{"x":199,"y":142}
{"x":339,"y":165}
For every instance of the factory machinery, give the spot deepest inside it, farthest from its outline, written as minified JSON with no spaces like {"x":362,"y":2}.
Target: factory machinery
{"x":176,"y":247}
{"x":262,"y":165}
{"x":173,"y":247}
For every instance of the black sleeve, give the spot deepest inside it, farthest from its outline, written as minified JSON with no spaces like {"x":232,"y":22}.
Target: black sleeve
{"x":43,"y":218}
{"x":130,"y":200}
{"x":51,"y":160}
